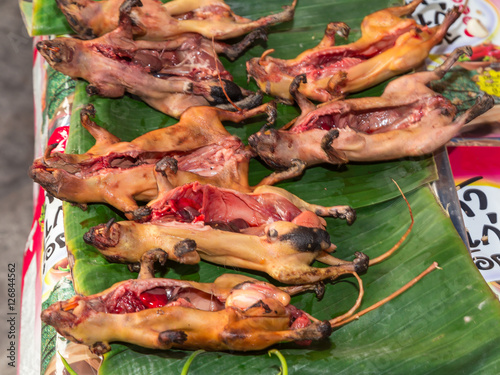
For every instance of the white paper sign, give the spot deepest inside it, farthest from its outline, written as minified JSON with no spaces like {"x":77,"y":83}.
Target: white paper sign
{"x":481,"y":211}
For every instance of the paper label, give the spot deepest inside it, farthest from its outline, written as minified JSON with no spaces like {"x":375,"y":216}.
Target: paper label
{"x":55,"y":254}
{"x":480,"y":210}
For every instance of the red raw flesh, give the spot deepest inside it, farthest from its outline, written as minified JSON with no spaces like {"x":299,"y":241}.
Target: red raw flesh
{"x":158,"y":297}
{"x":323,"y":122}
{"x":184,"y":210}
{"x":127,"y":303}
{"x":298,"y":319}
{"x":223,"y":205}
{"x":301,"y":322}
{"x":152,"y":300}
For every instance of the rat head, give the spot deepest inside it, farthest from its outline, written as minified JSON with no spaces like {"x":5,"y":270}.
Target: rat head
{"x":103,"y":236}
{"x":49,"y":179}
{"x":65,"y":315}
{"x":267,"y":143}
{"x":59,"y":53}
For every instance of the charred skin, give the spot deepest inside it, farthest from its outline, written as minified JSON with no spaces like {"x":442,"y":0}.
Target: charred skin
{"x":390,"y":45}
{"x":170,"y":75}
{"x":233,"y":313}
{"x":153,"y":20}
{"x":408,"y":119}
{"x":122,"y":173}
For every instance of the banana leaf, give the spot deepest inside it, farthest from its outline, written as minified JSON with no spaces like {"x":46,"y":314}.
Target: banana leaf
{"x":448,"y":323}
{"x":43,"y":17}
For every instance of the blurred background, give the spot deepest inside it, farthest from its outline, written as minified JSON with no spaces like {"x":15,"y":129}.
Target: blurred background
{"x":16,"y":155}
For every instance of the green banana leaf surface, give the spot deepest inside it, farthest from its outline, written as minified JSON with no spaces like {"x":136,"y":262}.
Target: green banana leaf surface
{"x":447,"y":323}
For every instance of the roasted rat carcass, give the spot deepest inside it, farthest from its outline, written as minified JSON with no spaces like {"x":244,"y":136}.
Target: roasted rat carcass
{"x":122,"y":173}
{"x":233,"y":313}
{"x":389,"y":45}
{"x":170,"y":75}
{"x":409,"y":119}
{"x":153,"y":20}
{"x":269,"y":230}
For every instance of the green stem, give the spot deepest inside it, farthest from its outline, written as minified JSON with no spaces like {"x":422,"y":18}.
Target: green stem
{"x":188,"y":362}
{"x":284,"y":366}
